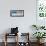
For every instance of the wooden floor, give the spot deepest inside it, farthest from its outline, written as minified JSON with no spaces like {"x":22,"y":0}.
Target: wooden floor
{"x":13,"y":44}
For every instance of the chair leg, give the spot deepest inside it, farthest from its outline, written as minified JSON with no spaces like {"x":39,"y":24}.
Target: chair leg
{"x":5,"y":43}
{"x":5,"y":39}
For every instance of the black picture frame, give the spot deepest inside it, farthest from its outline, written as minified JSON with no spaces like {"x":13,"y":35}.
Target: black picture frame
{"x":17,"y":13}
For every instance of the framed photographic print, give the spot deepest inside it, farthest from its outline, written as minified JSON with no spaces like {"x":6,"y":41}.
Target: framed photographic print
{"x":17,"y":13}
{"x":41,"y":12}
{"x":41,"y":8}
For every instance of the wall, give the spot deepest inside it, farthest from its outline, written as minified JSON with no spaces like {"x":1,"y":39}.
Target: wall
{"x":24,"y":23}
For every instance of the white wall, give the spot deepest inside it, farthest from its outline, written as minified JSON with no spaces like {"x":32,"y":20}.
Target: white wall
{"x":24,"y":23}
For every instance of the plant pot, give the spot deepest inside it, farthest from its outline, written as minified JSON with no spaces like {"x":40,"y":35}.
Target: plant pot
{"x":40,"y":41}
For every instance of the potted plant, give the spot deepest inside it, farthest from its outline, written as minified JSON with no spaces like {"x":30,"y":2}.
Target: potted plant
{"x":39,"y":35}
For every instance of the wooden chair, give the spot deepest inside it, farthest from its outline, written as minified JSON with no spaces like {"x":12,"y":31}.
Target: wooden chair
{"x":27,"y":37}
{"x":8,"y":34}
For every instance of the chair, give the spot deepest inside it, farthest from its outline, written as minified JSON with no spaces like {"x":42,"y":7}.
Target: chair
{"x":7,"y":35}
{"x":25,"y":36}
{"x":14,"y":32}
